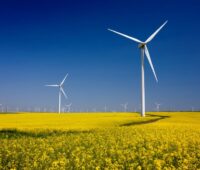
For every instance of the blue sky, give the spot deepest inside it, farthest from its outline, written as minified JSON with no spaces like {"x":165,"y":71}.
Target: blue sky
{"x":41,"y":41}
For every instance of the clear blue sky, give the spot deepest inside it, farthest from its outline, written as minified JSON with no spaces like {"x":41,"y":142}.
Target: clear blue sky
{"x":41,"y":41}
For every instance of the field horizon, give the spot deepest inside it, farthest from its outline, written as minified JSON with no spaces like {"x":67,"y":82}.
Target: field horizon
{"x":77,"y":120}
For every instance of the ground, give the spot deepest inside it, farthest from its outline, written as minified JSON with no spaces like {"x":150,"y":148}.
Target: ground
{"x":164,"y":140}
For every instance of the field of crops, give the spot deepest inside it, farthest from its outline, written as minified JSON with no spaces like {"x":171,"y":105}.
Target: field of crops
{"x":100,"y":141}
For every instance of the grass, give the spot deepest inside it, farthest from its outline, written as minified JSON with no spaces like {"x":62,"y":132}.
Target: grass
{"x":164,"y":140}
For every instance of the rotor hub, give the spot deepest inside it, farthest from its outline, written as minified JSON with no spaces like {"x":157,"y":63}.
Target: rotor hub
{"x":141,"y":45}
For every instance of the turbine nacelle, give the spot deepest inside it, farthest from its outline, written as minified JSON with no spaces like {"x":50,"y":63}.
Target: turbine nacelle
{"x":141,"y":45}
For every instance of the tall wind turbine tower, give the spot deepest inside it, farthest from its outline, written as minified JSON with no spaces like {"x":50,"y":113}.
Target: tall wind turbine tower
{"x":144,"y":50}
{"x":61,"y":91}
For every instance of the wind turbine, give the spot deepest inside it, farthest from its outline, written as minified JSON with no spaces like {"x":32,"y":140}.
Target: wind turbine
{"x":1,"y":107}
{"x":157,"y":106}
{"x":192,"y":109}
{"x":68,"y":107}
{"x":45,"y":110}
{"x":144,"y":50}
{"x":61,"y":91}
{"x":105,"y":108}
{"x":125,"y":106}
{"x":17,"y":109}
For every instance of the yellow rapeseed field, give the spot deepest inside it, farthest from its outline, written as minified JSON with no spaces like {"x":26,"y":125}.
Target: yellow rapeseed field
{"x":161,"y":140}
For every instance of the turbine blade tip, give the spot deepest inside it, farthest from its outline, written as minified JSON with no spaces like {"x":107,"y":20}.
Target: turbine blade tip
{"x":166,"y":22}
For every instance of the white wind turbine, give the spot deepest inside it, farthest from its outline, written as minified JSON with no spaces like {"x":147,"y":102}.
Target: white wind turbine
{"x":192,"y":109}
{"x":144,"y":50}
{"x":158,"y":106}
{"x":61,"y":91}
{"x":68,"y":107}
{"x":125,"y":106}
{"x":1,"y":107}
{"x":105,"y":108}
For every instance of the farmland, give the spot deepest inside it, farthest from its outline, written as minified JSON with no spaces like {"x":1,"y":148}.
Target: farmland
{"x":163,"y":140}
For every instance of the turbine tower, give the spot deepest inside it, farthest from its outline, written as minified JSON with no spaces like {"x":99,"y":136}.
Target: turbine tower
{"x":125,"y":106}
{"x":61,"y":91}
{"x":157,"y":106}
{"x":105,"y":108}
{"x":192,"y":109}
{"x":144,"y":50}
{"x":1,"y":107}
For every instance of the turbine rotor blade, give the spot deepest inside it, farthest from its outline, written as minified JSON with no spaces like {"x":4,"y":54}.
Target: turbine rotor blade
{"x":150,"y":62}
{"x":52,"y":85}
{"x":64,"y":80}
{"x":154,"y":34}
{"x":126,"y":36}
{"x":63,"y":92}
{"x":69,"y":105}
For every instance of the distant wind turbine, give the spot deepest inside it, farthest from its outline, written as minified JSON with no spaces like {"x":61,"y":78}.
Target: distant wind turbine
{"x":17,"y":109}
{"x":68,"y":107}
{"x":45,"y":110}
{"x":144,"y":50}
{"x":1,"y":107}
{"x":105,"y":108}
{"x":192,"y":109}
{"x":125,"y":106}
{"x":61,"y":91}
{"x":158,"y":106}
